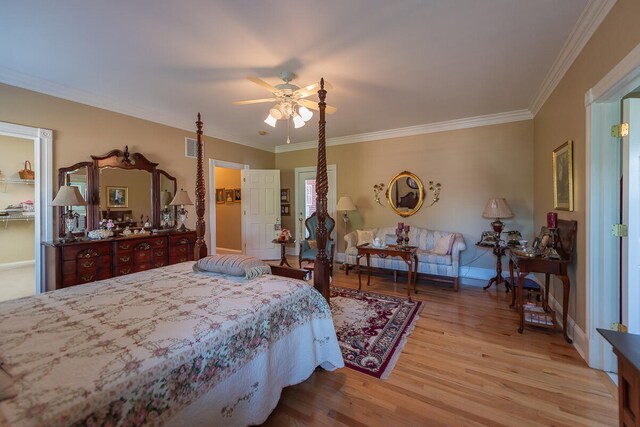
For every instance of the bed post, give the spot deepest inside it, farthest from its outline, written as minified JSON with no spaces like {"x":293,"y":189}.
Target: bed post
{"x":322,"y":268}
{"x":200,"y":248}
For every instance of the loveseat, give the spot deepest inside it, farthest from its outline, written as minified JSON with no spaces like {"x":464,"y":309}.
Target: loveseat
{"x":441,"y":265}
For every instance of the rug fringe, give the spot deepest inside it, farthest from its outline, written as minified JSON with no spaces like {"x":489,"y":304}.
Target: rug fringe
{"x":403,"y":340}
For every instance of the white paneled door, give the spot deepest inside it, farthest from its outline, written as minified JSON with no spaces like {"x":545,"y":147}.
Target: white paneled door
{"x":261,"y":210}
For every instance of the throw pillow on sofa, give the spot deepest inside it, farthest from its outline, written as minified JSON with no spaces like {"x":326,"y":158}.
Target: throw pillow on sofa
{"x":364,"y":237}
{"x":443,"y":245}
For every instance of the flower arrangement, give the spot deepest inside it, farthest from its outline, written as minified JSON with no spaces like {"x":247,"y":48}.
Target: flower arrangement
{"x":283,"y":235}
{"x":106,"y":224}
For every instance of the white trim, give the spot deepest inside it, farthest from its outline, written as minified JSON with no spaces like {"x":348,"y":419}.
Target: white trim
{"x":213,"y":163}
{"x":622,"y":79}
{"x":588,"y":22}
{"x":17,"y":264}
{"x":580,"y":339}
{"x":42,"y":165}
{"x":470,"y":122}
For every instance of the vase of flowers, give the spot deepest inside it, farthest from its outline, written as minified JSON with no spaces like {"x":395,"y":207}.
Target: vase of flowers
{"x":283,"y":235}
{"x":104,"y":231}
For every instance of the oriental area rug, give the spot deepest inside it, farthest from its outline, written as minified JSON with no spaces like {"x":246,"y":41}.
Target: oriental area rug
{"x":372,"y":329}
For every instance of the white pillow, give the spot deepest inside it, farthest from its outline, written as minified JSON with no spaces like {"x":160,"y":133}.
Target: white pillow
{"x":364,"y":237}
{"x":443,"y":245}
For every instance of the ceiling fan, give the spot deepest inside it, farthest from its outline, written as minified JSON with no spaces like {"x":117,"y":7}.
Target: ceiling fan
{"x":290,"y":100}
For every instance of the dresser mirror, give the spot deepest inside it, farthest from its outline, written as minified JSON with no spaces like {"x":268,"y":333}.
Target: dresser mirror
{"x":405,"y":194}
{"x":124,"y":187}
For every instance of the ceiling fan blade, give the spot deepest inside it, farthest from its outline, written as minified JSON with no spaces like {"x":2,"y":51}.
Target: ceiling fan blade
{"x":312,"y":89}
{"x":314,"y":106}
{"x":262,"y":83}
{"x":254,"y":101}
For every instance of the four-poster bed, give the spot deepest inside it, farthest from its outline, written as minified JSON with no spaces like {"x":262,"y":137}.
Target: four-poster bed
{"x":168,"y":345}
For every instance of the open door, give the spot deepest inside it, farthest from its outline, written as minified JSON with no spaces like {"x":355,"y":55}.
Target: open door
{"x":261,"y":210}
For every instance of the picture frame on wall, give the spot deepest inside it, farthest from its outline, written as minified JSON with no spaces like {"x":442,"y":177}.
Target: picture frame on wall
{"x":219,"y":195}
{"x":229,"y":196}
{"x":237,"y":195}
{"x":284,"y":195}
{"x":117,"y":197}
{"x":285,"y":210}
{"x":563,"y":177}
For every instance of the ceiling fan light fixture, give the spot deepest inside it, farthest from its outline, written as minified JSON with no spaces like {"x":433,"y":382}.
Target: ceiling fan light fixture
{"x":305,"y":113}
{"x":297,"y":121}
{"x":275,"y":113}
{"x":270,"y":120}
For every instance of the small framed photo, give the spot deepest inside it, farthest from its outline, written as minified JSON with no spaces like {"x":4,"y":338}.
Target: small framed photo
{"x":285,"y":210}
{"x":237,"y":195}
{"x":219,"y":195}
{"x":229,"y":196}
{"x":563,"y":177}
{"x":117,"y":197}
{"x":284,"y":195}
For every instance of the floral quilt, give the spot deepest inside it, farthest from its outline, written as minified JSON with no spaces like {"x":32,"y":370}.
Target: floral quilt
{"x":136,"y":349}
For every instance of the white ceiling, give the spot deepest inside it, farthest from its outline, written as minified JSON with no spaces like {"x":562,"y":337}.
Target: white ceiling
{"x":393,"y":64}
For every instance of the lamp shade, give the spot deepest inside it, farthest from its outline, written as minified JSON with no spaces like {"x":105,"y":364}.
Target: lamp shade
{"x":270,"y":120}
{"x":181,"y":199}
{"x":68,"y":196}
{"x":345,"y":204}
{"x":497,"y":207}
{"x":305,"y":113}
{"x":297,"y":121}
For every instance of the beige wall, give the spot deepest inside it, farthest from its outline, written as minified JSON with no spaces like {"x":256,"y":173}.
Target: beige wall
{"x":228,"y":214}
{"x":17,"y":238}
{"x":81,"y":130}
{"x":471,"y":164}
{"x":563,"y":118}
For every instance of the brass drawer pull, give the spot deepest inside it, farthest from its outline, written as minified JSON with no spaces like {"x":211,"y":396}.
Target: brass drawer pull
{"x":87,"y":264}
{"x":87,"y":278}
{"x":124,"y":246}
{"x":142,"y":254}
{"x":182,"y":250}
{"x":159,"y":252}
{"x":125,"y":258}
{"x":125,"y":270}
{"x":183,"y":241}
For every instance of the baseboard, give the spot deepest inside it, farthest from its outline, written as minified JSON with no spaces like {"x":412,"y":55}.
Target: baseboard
{"x":580,"y":339}
{"x":227,"y":251}
{"x":17,"y":264}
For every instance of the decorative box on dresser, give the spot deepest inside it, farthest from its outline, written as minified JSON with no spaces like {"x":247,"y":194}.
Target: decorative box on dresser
{"x":86,"y":261}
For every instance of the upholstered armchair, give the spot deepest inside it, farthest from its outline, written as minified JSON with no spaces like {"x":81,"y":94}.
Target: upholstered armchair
{"x":308,"y":249}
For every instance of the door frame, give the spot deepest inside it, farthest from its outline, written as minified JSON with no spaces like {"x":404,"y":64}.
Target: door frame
{"x":213,"y":163}
{"x":602,"y":169}
{"x":331,"y":196}
{"x":43,"y":195}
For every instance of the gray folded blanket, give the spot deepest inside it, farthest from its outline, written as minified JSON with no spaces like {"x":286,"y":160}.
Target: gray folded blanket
{"x":234,"y":265}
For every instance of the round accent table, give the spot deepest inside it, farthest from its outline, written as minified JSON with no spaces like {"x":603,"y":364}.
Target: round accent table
{"x":283,"y":256}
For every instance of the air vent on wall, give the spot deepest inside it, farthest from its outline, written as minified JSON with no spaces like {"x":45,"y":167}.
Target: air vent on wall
{"x":190,"y":147}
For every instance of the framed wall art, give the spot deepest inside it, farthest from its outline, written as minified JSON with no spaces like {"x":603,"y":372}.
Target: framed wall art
{"x":563,"y":177}
{"x":219,"y":195}
{"x":229,"y":196}
{"x":237,"y":195}
{"x":117,"y":197}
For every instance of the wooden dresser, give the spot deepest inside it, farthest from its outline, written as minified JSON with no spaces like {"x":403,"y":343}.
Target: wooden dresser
{"x":70,"y":264}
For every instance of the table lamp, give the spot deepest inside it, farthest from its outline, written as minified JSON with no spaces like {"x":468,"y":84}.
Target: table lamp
{"x":497,"y":208}
{"x":182,"y":199}
{"x":69,"y":196}
{"x":345,"y":204}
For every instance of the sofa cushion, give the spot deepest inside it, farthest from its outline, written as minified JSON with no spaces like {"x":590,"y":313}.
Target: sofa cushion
{"x":364,"y":237}
{"x":433,"y":258}
{"x":443,"y":245}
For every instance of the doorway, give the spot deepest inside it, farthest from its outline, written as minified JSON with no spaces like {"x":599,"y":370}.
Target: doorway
{"x":305,"y":198}
{"x":604,"y":167}
{"x":26,"y":221}
{"x":226,"y":219}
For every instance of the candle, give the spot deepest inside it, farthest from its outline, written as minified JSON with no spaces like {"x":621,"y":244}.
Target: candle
{"x":400,"y":225}
{"x":552,"y":220}
{"x":406,"y":228}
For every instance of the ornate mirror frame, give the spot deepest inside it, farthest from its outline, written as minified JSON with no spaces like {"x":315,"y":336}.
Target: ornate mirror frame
{"x":412,"y":181}
{"x":63,"y":179}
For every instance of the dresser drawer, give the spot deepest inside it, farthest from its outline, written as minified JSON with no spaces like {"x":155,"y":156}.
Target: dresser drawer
{"x":123,"y":259}
{"x":142,"y":267}
{"x":158,"y":242}
{"x":183,"y":239}
{"x":142,"y":256}
{"x":126,"y":246}
{"x":72,"y":252}
{"x":183,"y":250}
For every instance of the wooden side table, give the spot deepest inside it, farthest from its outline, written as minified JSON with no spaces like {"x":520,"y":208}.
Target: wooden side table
{"x":498,"y":252}
{"x":409,"y":256}
{"x":283,"y":255}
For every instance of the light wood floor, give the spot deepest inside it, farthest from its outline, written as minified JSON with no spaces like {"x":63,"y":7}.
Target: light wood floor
{"x":464,"y":364}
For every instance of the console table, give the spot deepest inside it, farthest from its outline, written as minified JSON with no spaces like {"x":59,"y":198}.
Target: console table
{"x":564,"y":243}
{"x":85,"y":261}
{"x":409,"y":255}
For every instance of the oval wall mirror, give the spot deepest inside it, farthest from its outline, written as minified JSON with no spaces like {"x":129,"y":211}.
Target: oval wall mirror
{"x":405,"y":194}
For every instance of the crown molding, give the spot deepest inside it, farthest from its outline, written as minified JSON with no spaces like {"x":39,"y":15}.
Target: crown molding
{"x":36,"y":84}
{"x":470,"y":122}
{"x":587,"y":24}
